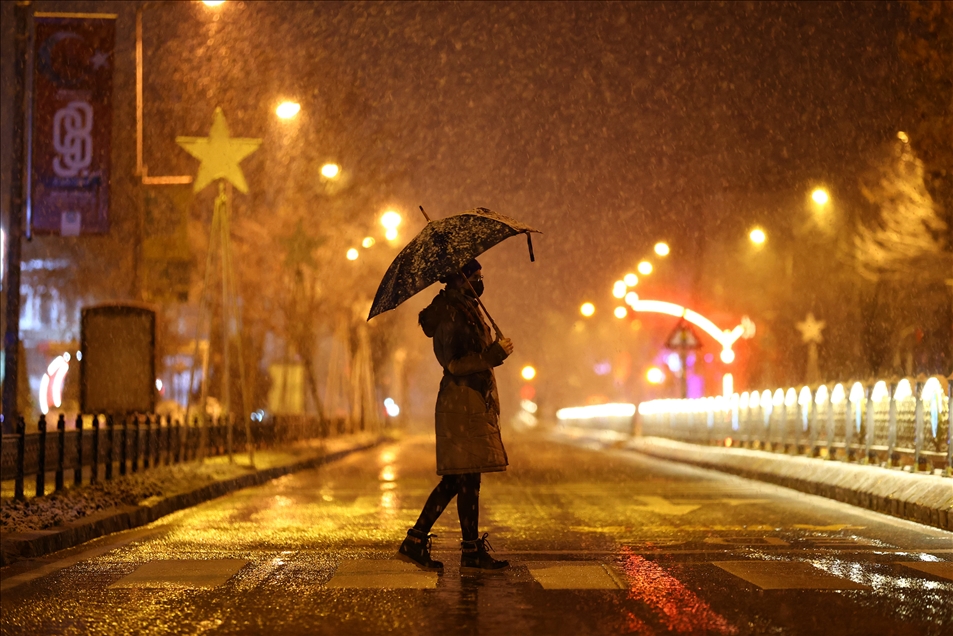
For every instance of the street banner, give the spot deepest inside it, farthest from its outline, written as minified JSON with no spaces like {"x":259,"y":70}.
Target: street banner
{"x":72,"y":122}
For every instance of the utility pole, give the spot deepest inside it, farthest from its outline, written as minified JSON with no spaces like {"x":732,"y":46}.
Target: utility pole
{"x":11,"y":333}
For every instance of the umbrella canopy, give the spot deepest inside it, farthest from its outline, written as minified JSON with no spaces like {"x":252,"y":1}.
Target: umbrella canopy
{"x":441,"y":249}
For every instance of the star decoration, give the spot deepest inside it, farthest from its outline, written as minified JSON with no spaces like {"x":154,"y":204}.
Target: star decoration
{"x":811,"y":329}
{"x":299,"y":247}
{"x":220,"y":154}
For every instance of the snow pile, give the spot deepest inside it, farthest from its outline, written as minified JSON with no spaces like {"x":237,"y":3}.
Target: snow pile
{"x":40,"y":513}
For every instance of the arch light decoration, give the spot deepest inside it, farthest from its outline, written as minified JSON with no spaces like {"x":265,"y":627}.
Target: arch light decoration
{"x":804,"y":399}
{"x":856,"y":397}
{"x":932,"y":396}
{"x":726,"y":338}
{"x":51,"y":384}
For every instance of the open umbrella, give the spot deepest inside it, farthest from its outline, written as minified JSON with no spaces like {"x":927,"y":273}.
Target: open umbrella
{"x":441,"y":249}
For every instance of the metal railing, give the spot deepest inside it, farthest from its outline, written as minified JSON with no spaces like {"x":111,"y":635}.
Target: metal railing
{"x":882,"y":422}
{"x":108,"y":445}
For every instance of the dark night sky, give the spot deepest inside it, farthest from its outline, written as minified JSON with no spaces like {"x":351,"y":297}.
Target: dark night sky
{"x":607,"y":126}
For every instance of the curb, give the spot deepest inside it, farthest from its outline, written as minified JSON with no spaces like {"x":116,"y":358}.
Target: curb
{"x":16,"y":546}
{"x":926,"y":499}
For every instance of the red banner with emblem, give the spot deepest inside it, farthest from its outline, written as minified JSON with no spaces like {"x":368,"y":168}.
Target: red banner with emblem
{"x":72,"y":123}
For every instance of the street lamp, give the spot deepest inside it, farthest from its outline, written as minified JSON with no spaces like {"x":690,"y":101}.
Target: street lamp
{"x":655,"y":375}
{"x":618,"y":289}
{"x":757,"y":236}
{"x":630,"y":280}
{"x":288,"y":110}
{"x":820,"y":196}
{"x":213,"y":3}
{"x":368,"y":242}
{"x":391,"y":220}
{"x":352,"y":254}
{"x":620,"y":312}
{"x":645,"y":268}
{"x":587,"y":309}
{"x":330,"y":170}
{"x":528,"y":372}
{"x":662,"y":248}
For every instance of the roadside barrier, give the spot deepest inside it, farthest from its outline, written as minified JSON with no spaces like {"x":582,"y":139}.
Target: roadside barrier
{"x":889,"y":422}
{"x":141,"y":443}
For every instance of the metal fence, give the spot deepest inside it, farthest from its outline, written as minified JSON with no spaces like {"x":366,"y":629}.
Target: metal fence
{"x":882,"y":422}
{"x":109,"y":445}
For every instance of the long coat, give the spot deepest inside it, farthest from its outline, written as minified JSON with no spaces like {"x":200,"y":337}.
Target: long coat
{"x":467,"y":414}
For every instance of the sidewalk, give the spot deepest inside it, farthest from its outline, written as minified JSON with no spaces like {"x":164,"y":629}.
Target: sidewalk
{"x":927,"y":499}
{"x":39,"y":526}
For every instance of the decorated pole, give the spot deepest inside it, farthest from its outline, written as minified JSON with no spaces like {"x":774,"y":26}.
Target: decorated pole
{"x":220,"y":155}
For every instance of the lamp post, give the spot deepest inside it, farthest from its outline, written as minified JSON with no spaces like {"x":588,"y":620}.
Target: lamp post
{"x":11,"y":335}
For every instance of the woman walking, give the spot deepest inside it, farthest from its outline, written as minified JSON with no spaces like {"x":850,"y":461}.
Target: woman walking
{"x":467,"y":419}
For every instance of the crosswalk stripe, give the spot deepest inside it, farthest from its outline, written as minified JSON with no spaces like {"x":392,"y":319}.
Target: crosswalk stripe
{"x":193,"y":573}
{"x":570,"y":575}
{"x":942,"y":569}
{"x":787,"y":575}
{"x":381,"y":574}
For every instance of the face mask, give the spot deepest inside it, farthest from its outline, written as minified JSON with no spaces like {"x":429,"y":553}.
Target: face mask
{"x":478,"y":287}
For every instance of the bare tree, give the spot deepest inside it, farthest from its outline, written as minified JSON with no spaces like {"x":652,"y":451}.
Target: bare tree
{"x":906,"y":240}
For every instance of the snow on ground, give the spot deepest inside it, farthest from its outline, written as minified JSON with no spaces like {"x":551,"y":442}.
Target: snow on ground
{"x":57,"y":508}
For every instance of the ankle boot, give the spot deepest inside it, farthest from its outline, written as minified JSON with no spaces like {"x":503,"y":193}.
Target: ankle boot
{"x":475,"y":557}
{"x":416,"y":549}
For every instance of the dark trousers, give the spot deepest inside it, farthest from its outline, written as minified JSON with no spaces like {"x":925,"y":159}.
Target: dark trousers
{"x":466,"y":488}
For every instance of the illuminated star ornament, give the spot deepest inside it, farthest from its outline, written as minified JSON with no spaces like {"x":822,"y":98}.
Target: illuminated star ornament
{"x":220,"y":154}
{"x":811,"y":329}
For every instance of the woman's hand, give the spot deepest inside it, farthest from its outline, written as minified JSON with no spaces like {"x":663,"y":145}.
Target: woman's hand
{"x":507,"y":345}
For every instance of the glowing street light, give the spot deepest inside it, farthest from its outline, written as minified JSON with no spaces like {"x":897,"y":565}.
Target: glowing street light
{"x":645,"y":268}
{"x":631,"y":280}
{"x":820,"y":196}
{"x":368,"y":242}
{"x":528,"y":372}
{"x":618,"y":289}
{"x":391,"y":220}
{"x":655,"y":375}
{"x":352,"y":254}
{"x":662,"y":248}
{"x":330,"y":170}
{"x":631,"y":298}
{"x":213,"y":3}
{"x":757,"y":236}
{"x":620,"y":312}
{"x":288,"y":110}
{"x":587,"y":309}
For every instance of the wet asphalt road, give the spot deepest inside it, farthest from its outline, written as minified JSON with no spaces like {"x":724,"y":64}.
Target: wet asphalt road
{"x":601,"y":542}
